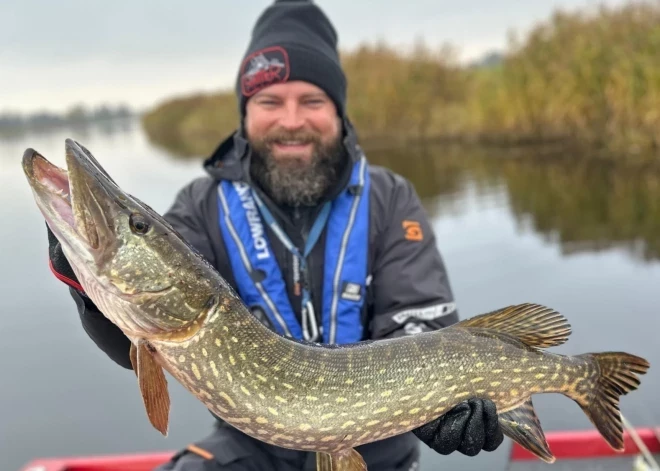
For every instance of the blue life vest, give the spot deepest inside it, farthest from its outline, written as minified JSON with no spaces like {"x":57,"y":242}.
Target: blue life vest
{"x":241,"y":219}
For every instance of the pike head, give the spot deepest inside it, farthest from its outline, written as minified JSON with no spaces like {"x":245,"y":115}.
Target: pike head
{"x":140,"y":273}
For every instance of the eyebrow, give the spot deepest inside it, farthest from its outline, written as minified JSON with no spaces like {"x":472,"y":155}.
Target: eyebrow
{"x":314,"y":95}
{"x":266,"y":95}
{"x":305,"y":95}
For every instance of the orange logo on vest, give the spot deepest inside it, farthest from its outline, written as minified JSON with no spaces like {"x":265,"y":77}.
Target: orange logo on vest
{"x":413,"y":231}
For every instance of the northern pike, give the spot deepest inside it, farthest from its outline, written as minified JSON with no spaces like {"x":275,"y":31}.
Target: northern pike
{"x":182,"y":317}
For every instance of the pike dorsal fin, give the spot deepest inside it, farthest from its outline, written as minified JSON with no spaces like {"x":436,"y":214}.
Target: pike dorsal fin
{"x":533,"y":324}
{"x":153,"y":386}
{"x":347,"y":460}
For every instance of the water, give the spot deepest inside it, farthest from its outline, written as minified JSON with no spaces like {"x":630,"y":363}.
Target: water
{"x":580,"y":236}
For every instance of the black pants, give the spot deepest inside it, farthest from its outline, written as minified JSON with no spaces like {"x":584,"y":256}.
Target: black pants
{"x":228,"y":449}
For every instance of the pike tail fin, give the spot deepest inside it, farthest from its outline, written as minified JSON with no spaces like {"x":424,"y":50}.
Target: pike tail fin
{"x":347,"y":460}
{"x":615,"y":377}
{"x":522,"y":425}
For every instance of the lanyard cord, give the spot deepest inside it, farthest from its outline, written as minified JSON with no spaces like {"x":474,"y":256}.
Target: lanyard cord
{"x":308,"y":315}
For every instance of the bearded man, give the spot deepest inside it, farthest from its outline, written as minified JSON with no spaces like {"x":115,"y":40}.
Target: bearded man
{"x":319,"y":244}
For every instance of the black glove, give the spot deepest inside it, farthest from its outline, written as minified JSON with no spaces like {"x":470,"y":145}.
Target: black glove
{"x":469,"y":427}
{"x":59,"y":265}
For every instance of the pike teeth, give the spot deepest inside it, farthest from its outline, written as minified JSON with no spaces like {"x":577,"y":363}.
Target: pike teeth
{"x":63,"y":194}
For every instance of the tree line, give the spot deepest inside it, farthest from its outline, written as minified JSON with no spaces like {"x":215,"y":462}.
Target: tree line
{"x":589,"y":77}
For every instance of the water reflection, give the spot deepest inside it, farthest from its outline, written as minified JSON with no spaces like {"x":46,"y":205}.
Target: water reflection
{"x":584,"y":204}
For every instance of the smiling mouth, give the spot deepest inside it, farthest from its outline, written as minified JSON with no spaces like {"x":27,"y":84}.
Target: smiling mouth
{"x":292,"y":148}
{"x":293,"y":144}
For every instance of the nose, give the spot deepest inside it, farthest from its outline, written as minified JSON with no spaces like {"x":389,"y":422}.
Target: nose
{"x":291,"y":117}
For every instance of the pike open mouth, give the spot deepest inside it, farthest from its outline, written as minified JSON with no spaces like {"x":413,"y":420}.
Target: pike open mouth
{"x":68,"y":196}
{"x":54,"y":181}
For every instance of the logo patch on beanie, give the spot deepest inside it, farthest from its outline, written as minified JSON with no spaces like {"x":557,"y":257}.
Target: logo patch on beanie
{"x":263,"y":68}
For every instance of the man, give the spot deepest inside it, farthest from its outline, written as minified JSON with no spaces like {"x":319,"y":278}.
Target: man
{"x":320,"y":245}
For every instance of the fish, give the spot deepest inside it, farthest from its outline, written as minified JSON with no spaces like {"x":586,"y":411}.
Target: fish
{"x":182,"y":317}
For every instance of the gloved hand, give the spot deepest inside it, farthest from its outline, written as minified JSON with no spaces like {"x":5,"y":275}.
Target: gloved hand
{"x":469,"y":427}
{"x":59,"y":265}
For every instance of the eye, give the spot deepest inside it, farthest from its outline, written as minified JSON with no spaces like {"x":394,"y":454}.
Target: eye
{"x":138,"y":223}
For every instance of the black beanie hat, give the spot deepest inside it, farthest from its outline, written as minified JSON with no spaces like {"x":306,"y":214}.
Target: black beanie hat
{"x":292,"y":40}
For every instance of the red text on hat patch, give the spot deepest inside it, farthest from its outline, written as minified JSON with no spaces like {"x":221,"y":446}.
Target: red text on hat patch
{"x":263,"y":68}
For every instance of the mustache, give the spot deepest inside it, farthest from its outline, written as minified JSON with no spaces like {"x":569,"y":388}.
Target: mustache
{"x":296,"y":135}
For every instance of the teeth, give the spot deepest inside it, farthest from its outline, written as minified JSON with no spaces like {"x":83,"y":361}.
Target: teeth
{"x":62,"y":193}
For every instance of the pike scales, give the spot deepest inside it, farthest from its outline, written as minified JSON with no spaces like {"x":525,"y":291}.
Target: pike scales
{"x":300,"y":395}
{"x":181,"y":316}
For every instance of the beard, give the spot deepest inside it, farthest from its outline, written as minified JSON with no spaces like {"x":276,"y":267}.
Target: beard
{"x":291,"y":180}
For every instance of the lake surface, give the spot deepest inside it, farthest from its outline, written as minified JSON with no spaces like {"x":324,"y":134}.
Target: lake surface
{"x":581,"y":236}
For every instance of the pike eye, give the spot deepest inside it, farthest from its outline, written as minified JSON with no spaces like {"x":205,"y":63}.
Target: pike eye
{"x":138,"y":224}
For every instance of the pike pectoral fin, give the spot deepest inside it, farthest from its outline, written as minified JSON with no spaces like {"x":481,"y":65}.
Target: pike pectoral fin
{"x":133,"y":355}
{"x":523,"y":426}
{"x":153,"y":386}
{"x":347,"y":460}
{"x":533,"y":324}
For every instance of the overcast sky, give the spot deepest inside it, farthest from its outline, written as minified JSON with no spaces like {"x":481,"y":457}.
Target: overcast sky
{"x":55,"y":54}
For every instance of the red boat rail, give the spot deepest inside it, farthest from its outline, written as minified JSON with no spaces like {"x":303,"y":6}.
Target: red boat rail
{"x":590,"y":444}
{"x":564,"y":445}
{"x":127,"y":462}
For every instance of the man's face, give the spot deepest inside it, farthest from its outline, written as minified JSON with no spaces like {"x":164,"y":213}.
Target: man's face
{"x":291,"y":118}
{"x":295,"y":133}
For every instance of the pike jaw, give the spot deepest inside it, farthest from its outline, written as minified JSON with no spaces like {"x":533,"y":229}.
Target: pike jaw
{"x":140,"y":273}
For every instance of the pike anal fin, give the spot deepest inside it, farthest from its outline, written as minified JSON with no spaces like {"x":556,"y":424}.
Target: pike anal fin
{"x":347,"y":460}
{"x":153,"y":386}
{"x":523,"y":426}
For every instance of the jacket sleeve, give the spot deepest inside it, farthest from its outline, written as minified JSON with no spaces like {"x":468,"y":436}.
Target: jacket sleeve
{"x":410,"y":289}
{"x":184,"y":216}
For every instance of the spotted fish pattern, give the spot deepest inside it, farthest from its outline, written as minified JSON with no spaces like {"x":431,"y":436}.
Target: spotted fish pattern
{"x":329,"y":398}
